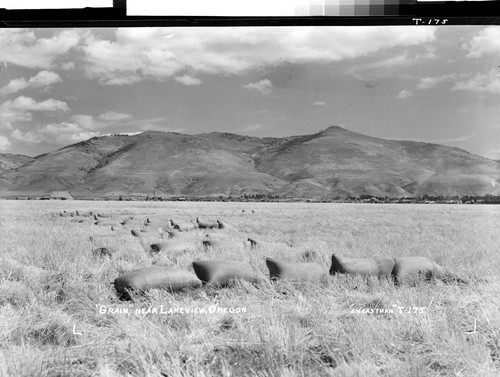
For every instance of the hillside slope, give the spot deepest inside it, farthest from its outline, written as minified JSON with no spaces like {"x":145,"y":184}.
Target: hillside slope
{"x":331,"y":163}
{"x":210,"y":164}
{"x":10,"y":161}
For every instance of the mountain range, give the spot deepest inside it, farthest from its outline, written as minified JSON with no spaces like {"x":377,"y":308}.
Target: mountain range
{"x":332,"y":163}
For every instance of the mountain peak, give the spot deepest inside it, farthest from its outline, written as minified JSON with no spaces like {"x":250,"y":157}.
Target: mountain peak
{"x":334,"y":127}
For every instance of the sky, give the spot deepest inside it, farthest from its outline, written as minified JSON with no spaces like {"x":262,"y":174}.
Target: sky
{"x":438,"y":84}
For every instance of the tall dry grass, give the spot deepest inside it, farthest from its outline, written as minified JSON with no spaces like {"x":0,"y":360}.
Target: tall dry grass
{"x":52,"y":290}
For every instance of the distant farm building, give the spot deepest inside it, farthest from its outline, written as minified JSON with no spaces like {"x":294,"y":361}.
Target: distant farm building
{"x":61,"y":195}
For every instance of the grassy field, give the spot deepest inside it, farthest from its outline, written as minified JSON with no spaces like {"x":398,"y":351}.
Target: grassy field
{"x":60,"y":316}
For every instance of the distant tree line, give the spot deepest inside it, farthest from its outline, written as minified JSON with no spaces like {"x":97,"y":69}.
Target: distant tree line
{"x":487,"y":199}
{"x":424,"y":199}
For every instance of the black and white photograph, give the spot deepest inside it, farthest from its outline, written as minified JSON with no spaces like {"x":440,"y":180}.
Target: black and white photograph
{"x":305,"y":200}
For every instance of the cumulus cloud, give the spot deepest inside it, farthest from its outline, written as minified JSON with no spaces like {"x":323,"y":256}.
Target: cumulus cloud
{"x":24,"y":48}
{"x":486,"y":42}
{"x":112,"y":63}
{"x":77,"y":128}
{"x":29,"y":104}
{"x":481,"y":83}
{"x":319,"y":103}
{"x":159,"y":54}
{"x":21,"y":109}
{"x":43,"y":79}
{"x":4,"y":143}
{"x":430,"y":82}
{"x":265,"y":86}
{"x":113,"y":116}
{"x":59,"y":134}
{"x":188,"y":80}
{"x":404,"y":94}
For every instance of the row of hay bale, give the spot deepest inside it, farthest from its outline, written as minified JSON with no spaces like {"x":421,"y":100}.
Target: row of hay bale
{"x":127,"y":222}
{"x":219,"y":273}
{"x":138,"y":226}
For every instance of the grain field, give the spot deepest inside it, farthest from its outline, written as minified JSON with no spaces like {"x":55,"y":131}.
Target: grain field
{"x":61,"y":316}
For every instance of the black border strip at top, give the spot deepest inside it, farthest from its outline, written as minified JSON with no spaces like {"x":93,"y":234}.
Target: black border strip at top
{"x":457,"y":13}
